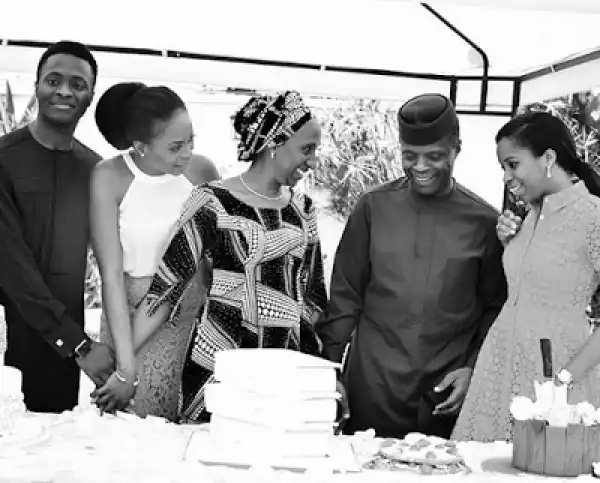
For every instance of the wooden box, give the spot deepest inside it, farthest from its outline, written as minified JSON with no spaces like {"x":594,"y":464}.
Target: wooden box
{"x":555,"y":451}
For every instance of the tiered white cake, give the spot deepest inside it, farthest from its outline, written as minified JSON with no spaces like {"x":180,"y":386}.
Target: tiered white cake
{"x":273,"y":403}
{"x":12,"y":406}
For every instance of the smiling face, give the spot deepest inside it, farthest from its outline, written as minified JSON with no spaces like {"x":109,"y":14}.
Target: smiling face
{"x":64,"y":89}
{"x":524,"y":174}
{"x":170,"y":150}
{"x":430,"y":167}
{"x":298,"y":154}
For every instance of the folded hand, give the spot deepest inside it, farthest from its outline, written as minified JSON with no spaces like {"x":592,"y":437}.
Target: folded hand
{"x":345,"y":409}
{"x":115,"y":395}
{"x":508,"y":226}
{"x":98,"y":364}
{"x":459,"y":381}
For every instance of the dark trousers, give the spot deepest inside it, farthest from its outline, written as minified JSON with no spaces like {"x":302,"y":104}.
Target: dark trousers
{"x":431,"y":425}
{"x":50,"y":382}
{"x":420,"y":420}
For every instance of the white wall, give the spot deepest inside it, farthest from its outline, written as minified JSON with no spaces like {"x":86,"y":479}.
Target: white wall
{"x":477,"y":167}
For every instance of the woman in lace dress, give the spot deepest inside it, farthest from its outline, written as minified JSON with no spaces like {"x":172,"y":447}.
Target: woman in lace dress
{"x":260,"y":236}
{"x":551,"y":263}
{"x":137,"y":198}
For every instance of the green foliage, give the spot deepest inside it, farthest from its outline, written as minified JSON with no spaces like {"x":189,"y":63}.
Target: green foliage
{"x":359,"y":151}
{"x":8,"y":118}
{"x":93,"y":283}
{"x":576,"y":112}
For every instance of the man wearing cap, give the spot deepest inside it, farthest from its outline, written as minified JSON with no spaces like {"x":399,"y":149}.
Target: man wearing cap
{"x":44,"y":236}
{"x":417,"y":282}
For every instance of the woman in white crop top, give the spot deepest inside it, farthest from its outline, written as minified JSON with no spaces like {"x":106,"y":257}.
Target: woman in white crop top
{"x":136,"y":199}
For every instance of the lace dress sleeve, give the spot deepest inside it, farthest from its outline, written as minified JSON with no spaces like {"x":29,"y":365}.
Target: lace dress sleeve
{"x":593,"y":242}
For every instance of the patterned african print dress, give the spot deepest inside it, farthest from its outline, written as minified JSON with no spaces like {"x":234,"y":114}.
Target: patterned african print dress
{"x":267,"y":280}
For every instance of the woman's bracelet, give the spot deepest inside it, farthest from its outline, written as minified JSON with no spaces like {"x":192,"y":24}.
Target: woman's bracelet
{"x":122,"y":379}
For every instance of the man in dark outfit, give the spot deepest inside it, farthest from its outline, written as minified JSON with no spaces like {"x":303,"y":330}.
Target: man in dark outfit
{"x":44,"y":236}
{"x":417,"y":282}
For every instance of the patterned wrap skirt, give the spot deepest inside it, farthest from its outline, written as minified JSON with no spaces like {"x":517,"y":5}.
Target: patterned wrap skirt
{"x":160,"y":361}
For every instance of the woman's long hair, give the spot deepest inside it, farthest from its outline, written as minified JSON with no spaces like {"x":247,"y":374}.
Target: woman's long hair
{"x":540,"y":131}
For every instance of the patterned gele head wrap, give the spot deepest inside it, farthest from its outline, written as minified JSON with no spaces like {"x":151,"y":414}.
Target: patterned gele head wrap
{"x":268,"y":122}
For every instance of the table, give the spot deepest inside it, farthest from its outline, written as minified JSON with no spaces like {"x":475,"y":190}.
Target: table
{"x":81,"y":446}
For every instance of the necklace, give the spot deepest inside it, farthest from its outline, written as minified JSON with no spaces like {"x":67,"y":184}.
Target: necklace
{"x":260,"y":195}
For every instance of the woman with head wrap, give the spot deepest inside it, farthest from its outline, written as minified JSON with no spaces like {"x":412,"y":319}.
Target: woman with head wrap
{"x":260,"y":236}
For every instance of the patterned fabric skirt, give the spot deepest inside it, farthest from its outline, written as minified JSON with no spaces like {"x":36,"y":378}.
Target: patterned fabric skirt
{"x":160,"y":361}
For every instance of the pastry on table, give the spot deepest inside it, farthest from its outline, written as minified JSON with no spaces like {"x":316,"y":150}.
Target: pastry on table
{"x":428,"y":453}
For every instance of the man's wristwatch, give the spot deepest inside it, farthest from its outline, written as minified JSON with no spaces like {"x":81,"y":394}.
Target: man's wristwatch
{"x":83,"y":348}
{"x":565,"y":377}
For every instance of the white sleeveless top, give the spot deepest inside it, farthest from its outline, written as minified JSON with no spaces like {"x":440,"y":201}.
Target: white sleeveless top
{"x":147,"y":215}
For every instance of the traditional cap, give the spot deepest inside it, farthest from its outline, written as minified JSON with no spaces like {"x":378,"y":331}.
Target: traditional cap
{"x":426,"y":119}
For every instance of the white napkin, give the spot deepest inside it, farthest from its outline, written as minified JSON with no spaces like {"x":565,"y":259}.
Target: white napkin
{"x":548,"y":394}
{"x":553,"y":401}
{"x":560,"y":394}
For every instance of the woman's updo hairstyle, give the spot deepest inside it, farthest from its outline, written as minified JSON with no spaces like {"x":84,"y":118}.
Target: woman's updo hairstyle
{"x":540,"y":131}
{"x":132,"y":111}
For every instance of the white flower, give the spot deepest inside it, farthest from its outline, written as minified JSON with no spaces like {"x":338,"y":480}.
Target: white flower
{"x":586,"y":412}
{"x":522,"y":408}
{"x":561,"y":416}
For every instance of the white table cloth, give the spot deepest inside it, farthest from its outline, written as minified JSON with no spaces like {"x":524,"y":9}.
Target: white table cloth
{"x":83,"y":447}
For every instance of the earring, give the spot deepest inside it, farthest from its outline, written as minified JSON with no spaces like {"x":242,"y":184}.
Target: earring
{"x":272,"y":155}
{"x":549,"y":171}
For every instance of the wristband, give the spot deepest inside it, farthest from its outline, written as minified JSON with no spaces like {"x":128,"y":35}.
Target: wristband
{"x":83,"y":348}
{"x":122,"y":379}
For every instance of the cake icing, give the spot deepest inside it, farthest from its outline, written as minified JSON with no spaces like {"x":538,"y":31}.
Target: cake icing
{"x":550,"y":405}
{"x":254,"y":393}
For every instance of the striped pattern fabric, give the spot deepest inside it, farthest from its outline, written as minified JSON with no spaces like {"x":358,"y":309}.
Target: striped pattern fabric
{"x":268,"y":122}
{"x":267,"y":280}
